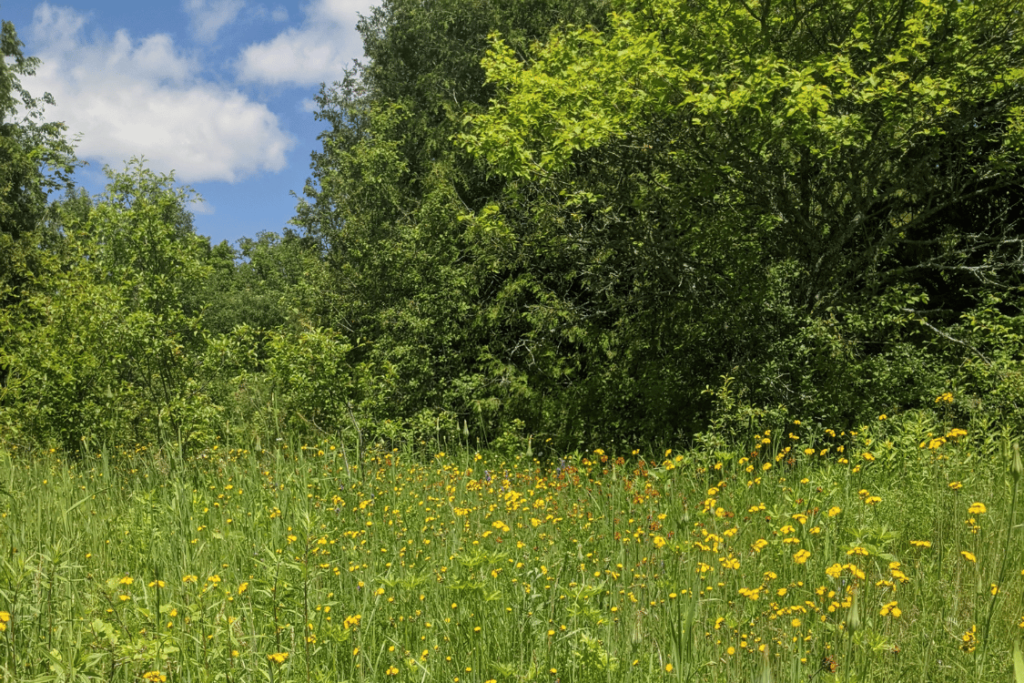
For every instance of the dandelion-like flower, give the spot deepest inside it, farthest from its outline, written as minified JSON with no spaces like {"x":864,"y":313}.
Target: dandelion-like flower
{"x":752,"y":594}
{"x":891,"y":609}
{"x":969,"y":639}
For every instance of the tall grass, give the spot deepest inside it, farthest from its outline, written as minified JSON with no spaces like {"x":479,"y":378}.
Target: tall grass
{"x":807,"y":554}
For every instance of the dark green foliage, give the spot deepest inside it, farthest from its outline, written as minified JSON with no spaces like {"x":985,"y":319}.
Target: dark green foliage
{"x":34,"y":160}
{"x":550,"y":219}
{"x":262,"y":283}
{"x":802,"y":198}
{"x":388,"y":192}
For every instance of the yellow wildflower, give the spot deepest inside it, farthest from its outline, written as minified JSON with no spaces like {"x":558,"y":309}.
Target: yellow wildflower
{"x":891,"y":609}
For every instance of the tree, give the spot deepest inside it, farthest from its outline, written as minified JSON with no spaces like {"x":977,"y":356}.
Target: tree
{"x":387,"y":191}
{"x":113,"y":347}
{"x":35,"y":159}
{"x":779,"y":191}
{"x":262,"y":284}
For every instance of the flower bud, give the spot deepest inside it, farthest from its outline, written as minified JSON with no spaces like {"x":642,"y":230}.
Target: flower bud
{"x":1016,"y":468}
{"x":853,"y":625}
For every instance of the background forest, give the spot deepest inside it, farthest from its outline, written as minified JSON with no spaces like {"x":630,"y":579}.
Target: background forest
{"x":582,"y":221}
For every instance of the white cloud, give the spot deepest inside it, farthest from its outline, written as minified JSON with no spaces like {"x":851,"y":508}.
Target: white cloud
{"x":210,"y":16}
{"x":201,"y":208}
{"x":279,"y":14}
{"x":317,"y":51}
{"x":132,"y":98}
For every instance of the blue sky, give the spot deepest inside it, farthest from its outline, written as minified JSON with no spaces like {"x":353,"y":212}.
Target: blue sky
{"x":219,"y":91}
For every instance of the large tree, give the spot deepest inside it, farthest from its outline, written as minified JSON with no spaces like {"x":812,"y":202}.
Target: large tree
{"x":35,"y":159}
{"x":387,"y":192}
{"x":804,"y":194}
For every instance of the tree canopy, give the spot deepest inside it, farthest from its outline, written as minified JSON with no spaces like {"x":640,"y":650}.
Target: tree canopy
{"x":598,"y":220}
{"x":778,"y":188}
{"x":34,"y":160}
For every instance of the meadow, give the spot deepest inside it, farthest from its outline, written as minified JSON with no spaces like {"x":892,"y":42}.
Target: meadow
{"x":885,"y":553}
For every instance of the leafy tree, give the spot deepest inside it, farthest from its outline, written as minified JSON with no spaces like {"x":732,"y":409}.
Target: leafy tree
{"x":801,"y":194}
{"x":263,"y":283}
{"x":34,"y":160}
{"x":113,"y":347}
{"x":387,"y":191}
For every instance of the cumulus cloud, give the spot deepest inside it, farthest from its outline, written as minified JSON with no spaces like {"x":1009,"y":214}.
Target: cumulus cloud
{"x":210,"y":16}
{"x":317,"y":51}
{"x":201,"y":208}
{"x":143,"y":97}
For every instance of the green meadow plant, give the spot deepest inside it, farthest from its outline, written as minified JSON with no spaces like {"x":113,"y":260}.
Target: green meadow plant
{"x":888,"y":552}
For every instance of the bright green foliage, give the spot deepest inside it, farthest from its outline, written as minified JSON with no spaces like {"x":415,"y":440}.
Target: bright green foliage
{"x":896,"y":558}
{"x":780,"y":191}
{"x":312,"y":373}
{"x":114,"y":341}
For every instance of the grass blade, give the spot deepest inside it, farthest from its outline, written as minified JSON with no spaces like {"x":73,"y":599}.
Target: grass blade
{"x":1018,"y":663}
